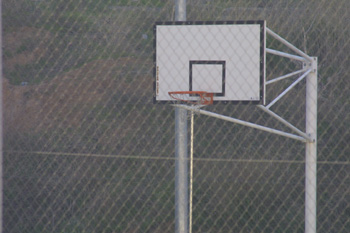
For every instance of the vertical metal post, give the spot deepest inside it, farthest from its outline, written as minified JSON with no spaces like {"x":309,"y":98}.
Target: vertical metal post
{"x":180,"y":10}
{"x":1,"y":130}
{"x":181,"y":154}
{"x":311,"y":151}
{"x":181,"y":171}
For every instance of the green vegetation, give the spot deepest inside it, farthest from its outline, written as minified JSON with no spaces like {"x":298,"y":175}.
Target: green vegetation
{"x":89,"y":69}
{"x":79,"y":33}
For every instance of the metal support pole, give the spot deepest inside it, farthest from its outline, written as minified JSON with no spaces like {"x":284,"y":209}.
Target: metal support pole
{"x":311,"y":151}
{"x":180,"y":10}
{"x":181,"y":171}
{"x":181,"y":155}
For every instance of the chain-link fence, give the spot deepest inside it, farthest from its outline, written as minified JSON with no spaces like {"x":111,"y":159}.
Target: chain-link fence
{"x":86,"y":150}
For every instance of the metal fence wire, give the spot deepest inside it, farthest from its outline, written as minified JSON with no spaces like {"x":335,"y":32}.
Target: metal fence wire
{"x":85,"y":149}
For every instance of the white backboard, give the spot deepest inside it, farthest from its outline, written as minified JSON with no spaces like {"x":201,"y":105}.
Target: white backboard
{"x":225,"y":58}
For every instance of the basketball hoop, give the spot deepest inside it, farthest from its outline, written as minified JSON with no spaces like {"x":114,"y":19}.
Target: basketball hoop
{"x":193,"y":97}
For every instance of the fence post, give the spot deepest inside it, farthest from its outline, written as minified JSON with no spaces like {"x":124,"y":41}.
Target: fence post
{"x":311,"y":151}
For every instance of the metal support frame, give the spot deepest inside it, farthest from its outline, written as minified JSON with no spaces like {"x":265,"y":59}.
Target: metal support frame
{"x":287,"y":55}
{"x":289,"y":45}
{"x":288,"y":89}
{"x":309,"y":63}
{"x":285,"y":76}
{"x":245,"y":123}
{"x":309,"y":137}
{"x":286,"y":123}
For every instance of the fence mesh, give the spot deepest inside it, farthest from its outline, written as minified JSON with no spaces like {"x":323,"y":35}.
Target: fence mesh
{"x":86,"y":150}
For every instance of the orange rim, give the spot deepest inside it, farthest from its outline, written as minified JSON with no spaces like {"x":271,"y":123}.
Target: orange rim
{"x":205,"y":98}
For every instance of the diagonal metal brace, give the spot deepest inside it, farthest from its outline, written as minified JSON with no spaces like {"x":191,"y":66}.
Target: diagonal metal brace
{"x":286,"y":123}
{"x":245,"y":123}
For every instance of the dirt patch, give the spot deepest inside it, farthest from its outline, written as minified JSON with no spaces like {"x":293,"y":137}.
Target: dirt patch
{"x":67,"y":98}
{"x":75,"y":103}
{"x":25,"y":46}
